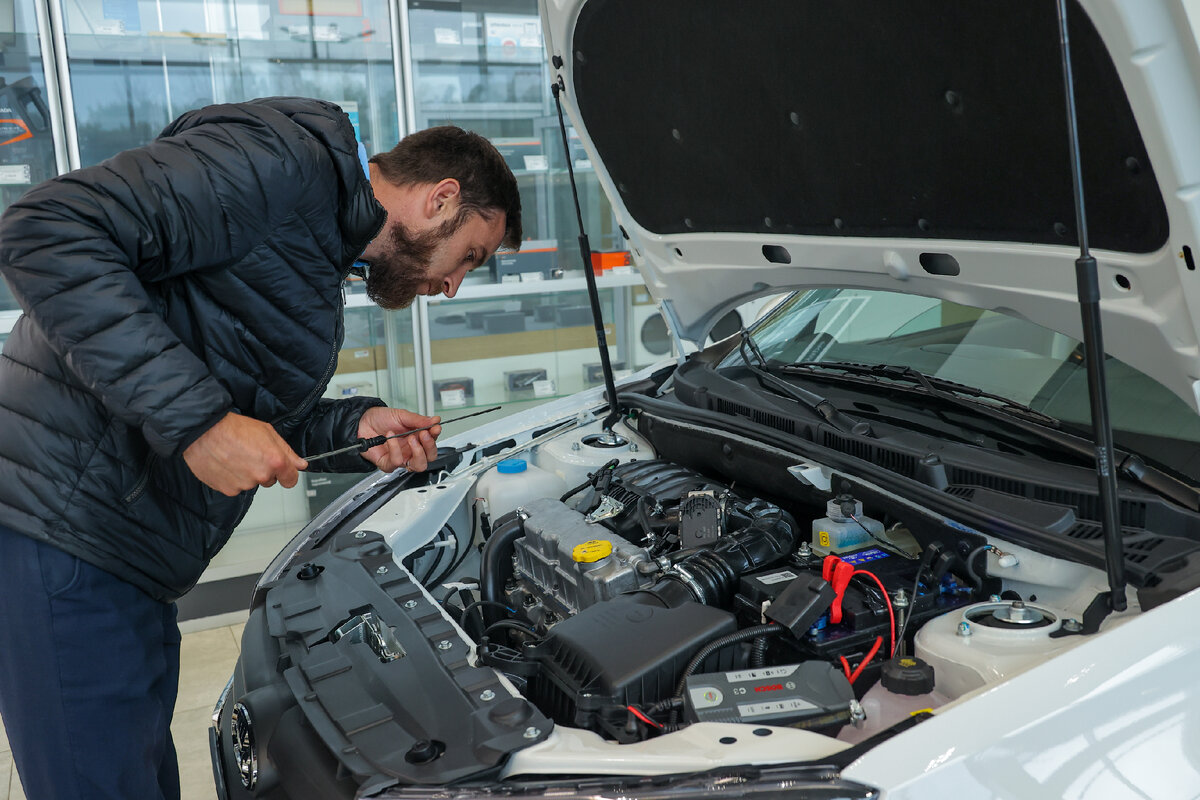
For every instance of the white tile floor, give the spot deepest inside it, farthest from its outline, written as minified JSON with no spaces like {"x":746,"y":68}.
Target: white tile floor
{"x":206,"y":661}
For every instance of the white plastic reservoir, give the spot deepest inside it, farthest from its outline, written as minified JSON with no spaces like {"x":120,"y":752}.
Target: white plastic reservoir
{"x":514,"y":482}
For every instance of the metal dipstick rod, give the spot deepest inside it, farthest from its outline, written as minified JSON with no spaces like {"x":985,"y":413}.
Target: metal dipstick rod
{"x":363,"y":444}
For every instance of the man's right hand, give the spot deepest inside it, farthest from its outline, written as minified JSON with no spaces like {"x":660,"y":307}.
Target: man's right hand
{"x":239,"y":453}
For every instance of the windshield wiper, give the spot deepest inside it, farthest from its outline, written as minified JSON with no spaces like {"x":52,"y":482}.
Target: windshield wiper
{"x":1009,"y":412}
{"x":951,"y":391}
{"x":810,"y":400}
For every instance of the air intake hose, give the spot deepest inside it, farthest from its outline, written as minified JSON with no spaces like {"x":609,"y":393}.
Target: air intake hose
{"x":711,"y":576}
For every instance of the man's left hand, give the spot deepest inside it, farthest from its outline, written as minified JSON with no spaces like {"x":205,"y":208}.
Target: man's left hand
{"x":411,"y":452}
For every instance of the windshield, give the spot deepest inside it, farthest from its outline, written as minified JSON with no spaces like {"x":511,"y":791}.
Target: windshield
{"x":1010,"y":357}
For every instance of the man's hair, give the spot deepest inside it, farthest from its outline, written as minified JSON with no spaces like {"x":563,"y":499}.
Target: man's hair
{"x":487,"y":185}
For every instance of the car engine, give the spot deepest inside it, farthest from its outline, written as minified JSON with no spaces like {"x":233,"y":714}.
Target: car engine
{"x":655,"y":596}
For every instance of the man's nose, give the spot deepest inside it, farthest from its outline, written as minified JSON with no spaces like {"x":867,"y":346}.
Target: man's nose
{"x":451,"y":283}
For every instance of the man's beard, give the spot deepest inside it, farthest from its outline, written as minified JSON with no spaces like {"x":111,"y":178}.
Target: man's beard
{"x":396,"y":277}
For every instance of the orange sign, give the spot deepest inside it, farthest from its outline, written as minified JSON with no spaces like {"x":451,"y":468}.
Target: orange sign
{"x":15,"y":130}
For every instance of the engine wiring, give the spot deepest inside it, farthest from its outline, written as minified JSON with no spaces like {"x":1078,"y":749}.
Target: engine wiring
{"x":887,"y":599}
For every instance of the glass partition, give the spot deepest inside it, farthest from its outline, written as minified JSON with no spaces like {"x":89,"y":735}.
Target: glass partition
{"x":26,"y":134}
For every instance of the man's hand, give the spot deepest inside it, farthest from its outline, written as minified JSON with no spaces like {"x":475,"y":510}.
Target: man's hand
{"x":239,"y":453}
{"x":412,"y":452}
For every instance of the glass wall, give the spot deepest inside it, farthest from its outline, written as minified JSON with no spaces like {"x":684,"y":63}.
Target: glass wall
{"x":26,"y":134}
{"x":520,"y":330}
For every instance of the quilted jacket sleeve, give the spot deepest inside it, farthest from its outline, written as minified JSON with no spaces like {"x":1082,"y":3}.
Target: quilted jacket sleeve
{"x":79,"y":251}
{"x":333,"y":424}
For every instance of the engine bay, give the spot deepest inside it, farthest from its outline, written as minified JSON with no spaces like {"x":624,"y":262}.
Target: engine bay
{"x":653,"y":595}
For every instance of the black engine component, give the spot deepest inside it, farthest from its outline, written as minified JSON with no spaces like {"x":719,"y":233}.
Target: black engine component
{"x":591,"y":668}
{"x":649,"y":494}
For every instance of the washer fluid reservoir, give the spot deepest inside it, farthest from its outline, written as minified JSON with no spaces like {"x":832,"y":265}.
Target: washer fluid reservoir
{"x":514,"y":482}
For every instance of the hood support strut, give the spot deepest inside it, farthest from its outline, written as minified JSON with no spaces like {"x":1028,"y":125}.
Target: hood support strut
{"x":585,"y":250}
{"x":1088,"y":287}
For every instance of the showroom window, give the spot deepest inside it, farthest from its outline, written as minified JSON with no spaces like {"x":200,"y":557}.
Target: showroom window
{"x":518,"y":333}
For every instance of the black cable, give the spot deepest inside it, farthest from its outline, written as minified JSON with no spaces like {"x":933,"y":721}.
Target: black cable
{"x":926,"y":560}
{"x":717,"y":644}
{"x":480,"y":604}
{"x":511,"y":625}
{"x":438,"y":560}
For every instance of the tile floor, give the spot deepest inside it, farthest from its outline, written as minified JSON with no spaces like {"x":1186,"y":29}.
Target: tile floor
{"x":206,"y":661}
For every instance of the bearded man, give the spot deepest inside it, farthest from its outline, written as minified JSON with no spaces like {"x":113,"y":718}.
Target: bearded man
{"x":182,"y":316}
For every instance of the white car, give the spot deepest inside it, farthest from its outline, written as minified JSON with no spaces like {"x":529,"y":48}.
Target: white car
{"x":858,"y":550}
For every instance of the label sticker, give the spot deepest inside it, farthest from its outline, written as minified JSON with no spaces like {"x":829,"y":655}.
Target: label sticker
{"x":863,"y":556}
{"x":453,"y":398}
{"x":775,"y":707}
{"x":778,"y":577}
{"x":760,"y":674}
{"x":543,"y":388}
{"x":15,"y":174}
{"x":823,"y":538}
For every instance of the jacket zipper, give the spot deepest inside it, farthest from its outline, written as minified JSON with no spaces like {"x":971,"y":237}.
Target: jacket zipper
{"x":143,"y":479}
{"x":329,"y":367}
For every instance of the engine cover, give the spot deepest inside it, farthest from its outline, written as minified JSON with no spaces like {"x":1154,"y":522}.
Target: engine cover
{"x":592,"y":666}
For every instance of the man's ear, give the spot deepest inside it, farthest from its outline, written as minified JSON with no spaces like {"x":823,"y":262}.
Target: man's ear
{"x":444,"y":192}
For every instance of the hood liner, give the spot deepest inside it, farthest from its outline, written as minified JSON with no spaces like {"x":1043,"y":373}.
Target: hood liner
{"x":924,"y":119}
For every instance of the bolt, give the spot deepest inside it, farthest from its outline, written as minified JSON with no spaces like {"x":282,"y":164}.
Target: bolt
{"x":633,"y":448}
{"x":445,"y":644}
{"x":360,"y":534}
{"x":576,"y":446}
{"x":964,"y":628}
{"x":1072,"y":625}
{"x":410,"y":603}
{"x":381,"y":570}
{"x":487,"y":694}
{"x":1018,"y":603}
{"x":994,"y":598}
{"x":900,"y":599}
{"x":805,"y":550}
{"x":532,"y":733}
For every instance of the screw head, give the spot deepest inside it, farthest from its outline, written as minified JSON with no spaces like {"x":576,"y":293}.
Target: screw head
{"x":532,"y":733}
{"x":964,"y":628}
{"x":487,"y":694}
{"x":445,"y":644}
{"x":360,"y":534}
{"x":1018,"y":603}
{"x":410,"y":603}
{"x":576,"y":446}
{"x":381,"y":570}
{"x":633,"y":448}
{"x":1072,"y":625}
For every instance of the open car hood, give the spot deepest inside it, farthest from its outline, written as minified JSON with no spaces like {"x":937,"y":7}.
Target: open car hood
{"x":919,"y":147}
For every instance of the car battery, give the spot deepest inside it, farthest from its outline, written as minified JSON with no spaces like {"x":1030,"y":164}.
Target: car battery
{"x":811,"y":694}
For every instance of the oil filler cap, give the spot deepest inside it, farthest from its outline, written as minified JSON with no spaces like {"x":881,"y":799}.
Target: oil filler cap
{"x":907,"y":675}
{"x":591,"y":551}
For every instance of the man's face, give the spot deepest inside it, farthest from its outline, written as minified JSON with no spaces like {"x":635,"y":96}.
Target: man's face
{"x":432,"y":260}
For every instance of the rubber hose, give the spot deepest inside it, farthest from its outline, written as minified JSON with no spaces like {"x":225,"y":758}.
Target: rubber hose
{"x":496,"y":560}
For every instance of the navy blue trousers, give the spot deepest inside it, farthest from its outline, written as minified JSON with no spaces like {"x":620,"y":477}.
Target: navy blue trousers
{"x":89,"y":671}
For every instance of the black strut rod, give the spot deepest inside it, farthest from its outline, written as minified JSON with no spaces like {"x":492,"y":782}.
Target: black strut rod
{"x":1088,"y":287}
{"x":585,"y":250}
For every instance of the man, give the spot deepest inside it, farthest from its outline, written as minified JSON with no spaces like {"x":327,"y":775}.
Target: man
{"x":182,"y":317}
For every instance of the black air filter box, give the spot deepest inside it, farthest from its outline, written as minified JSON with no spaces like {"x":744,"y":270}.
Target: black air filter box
{"x":630,"y":650}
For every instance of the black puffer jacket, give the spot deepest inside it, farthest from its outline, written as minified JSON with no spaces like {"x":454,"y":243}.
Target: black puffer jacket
{"x":171,"y":284}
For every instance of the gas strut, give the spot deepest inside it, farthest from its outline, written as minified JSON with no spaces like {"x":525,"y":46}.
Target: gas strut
{"x":585,"y":250}
{"x":1088,"y":287}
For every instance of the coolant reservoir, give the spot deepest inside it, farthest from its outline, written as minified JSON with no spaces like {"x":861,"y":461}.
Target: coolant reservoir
{"x":514,"y":482}
{"x":905,"y":687}
{"x":838,"y":531}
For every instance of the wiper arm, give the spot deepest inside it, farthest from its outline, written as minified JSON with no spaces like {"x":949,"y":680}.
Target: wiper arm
{"x":1017,"y":415}
{"x":811,"y":400}
{"x":951,"y":391}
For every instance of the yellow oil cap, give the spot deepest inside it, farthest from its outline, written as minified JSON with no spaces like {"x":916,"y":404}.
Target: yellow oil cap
{"x":592,"y":550}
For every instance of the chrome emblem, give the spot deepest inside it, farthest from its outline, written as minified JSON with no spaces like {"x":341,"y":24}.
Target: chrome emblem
{"x":245,"y":753}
